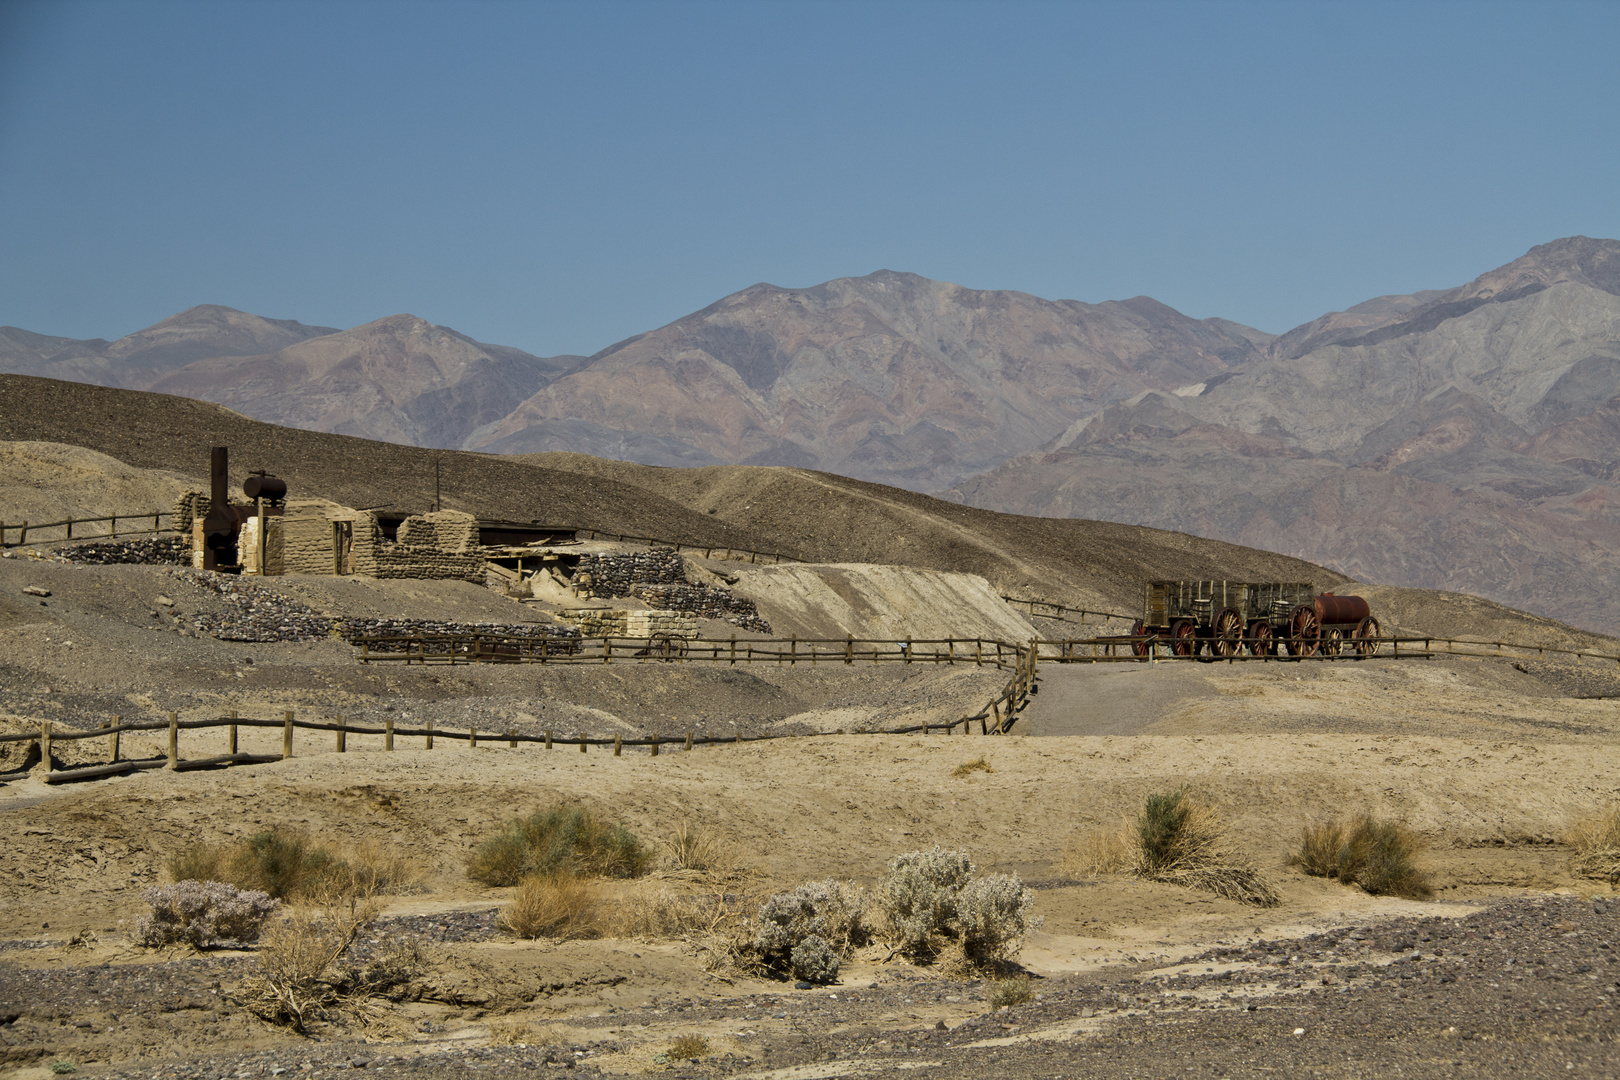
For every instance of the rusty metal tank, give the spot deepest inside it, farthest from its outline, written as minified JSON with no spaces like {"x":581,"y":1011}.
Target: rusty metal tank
{"x":268,"y":488}
{"x":1340,"y":610}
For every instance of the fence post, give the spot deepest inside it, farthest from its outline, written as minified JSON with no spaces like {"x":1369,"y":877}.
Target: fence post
{"x":174,"y":740}
{"x":472,"y":737}
{"x":117,"y":736}
{"x":849,"y":649}
{"x":342,"y":737}
{"x":70,"y":528}
{"x":618,"y":745}
{"x":511,"y":743}
{"x":233,"y":732}
{"x":548,"y":738}
{"x":689,"y":740}
{"x":286,"y":736}
{"x":655,"y":746}
{"x":995,"y":711}
{"x":430,"y":734}
{"x":388,"y":733}
{"x":607,"y":650}
{"x":908,"y":650}
{"x":793,"y":650}
{"x":733,"y":639}
{"x":115,"y":526}
{"x":582,"y":744}
{"x":45,"y":743}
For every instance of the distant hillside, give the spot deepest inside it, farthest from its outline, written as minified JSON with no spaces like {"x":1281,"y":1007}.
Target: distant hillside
{"x":1465,"y":439}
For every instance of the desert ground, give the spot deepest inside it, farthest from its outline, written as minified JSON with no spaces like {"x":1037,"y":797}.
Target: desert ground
{"x":1512,"y":967}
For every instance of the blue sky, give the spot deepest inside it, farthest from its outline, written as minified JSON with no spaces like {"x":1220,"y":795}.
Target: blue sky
{"x":561,"y":176}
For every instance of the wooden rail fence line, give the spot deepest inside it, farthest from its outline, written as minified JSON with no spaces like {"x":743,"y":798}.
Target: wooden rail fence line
{"x":992,"y":719}
{"x":25,"y":528}
{"x":1120,"y":649}
{"x":495,"y":648}
{"x":1061,"y":610}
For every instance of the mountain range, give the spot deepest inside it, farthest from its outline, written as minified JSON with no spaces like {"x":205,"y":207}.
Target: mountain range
{"x":1464,"y":438}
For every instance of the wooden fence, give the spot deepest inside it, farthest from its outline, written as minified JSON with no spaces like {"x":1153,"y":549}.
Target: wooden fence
{"x":993,"y":719}
{"x":1121,"y":649}
{"x":1062,"y":611}
{"x":132,"y":526}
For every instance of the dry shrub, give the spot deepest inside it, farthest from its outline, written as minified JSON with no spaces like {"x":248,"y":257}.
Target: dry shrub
{"x":1097,"y":851}
{"x":688,"y":1048}
{"x":807,"y":932}
{"x":696,"y":848}
{"x":936,"y":909}
{"x":1014,"y":991}
{"x":203,"y":913}
{"x":1180,"y":840}
{"x":301,"y":976}
{"x":288,"y":865}
{"x":968,"y":768}
{"x":562,"y":838}
{"x":1380,"y":856}
{"x":713,"y":926}
{"x":560,"y":906}
{"x":1595,"y":843}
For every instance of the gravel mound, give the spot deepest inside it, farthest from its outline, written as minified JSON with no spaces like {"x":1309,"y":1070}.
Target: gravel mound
{"x":152,"y":551}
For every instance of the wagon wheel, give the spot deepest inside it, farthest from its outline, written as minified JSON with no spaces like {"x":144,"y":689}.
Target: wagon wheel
{"x":1260,"y":641}
{"x":1333,"y":642}
{"x":1304,"y":632}
{"x":1184,"y":638}
{"x":1140,"y":639}
{"x":1226,"y":632}
{"x":1367,"y":637}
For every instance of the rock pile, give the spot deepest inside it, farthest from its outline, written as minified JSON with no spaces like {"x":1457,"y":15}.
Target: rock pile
{"x":708,"y":601}
{"x":161,"y":551}
{"x":252,"y":612}
{"x":353,"y":629}
{"x":658,"y":576}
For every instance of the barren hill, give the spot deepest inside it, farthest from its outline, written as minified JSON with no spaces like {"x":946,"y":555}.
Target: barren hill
{"x":1462,"y":439}
{"x":889,"y":377}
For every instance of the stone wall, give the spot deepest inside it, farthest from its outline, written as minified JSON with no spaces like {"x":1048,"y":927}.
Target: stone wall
{"x":608,"y":622}
{"x":658,"y":576}
{"x":247,"y":547}
{"x":444,"y":530}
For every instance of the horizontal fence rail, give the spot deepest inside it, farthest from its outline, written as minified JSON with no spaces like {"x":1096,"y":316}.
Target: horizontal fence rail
{"x":495,"y":648}
{"x":1062,"y":611}
{"x":118,"y":525}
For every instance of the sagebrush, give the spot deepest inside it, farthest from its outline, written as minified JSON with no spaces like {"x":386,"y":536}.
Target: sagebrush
{"x":568,"y":839}
{"x":1380,"y":856}
{"x":1179,"y":839}
{"x":807,"y":931}
{"x":203,"y":913}
{"x":933,"y":902}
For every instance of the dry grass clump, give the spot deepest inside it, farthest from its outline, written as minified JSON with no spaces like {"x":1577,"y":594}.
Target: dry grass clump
{"x":688,"y":1048}
{"x":968,"y":768}
{"x":1595,"y":844}
{"x":696,"y":849}
{"x":1180,"y":840}
{"x":1014,"y":991}
{"x":1097,"y":851}
{"x":562,"y":838}
{"x":517,"y":1033}
{"x":560,"y":906}
{"x":288,"y":865}
{"x":1379,"y":856}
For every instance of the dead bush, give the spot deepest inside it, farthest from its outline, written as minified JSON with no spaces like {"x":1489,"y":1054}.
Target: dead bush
{"x":688,"y":1048}
{"x":697,"y":849}
{"x":1013,"y":991}
{"x":1594,"y":841}
{"x":1379,"y":856}
{"x":1097,"y":851}
{"x":560,"y":906}
{"x":561,"y":838}
{"x":968,"y":768}
{"x":517,"y":1033}
{"x":300,"y":977}
{"x":1180,"y":840}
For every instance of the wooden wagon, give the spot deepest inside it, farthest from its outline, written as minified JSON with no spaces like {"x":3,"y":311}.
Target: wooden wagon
{"x":1224,"y":618}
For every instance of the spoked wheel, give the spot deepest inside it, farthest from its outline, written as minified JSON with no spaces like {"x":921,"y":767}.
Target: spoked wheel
{"x":1260,"y":640}
{"x":1367,"y":637}
{"x":1304,"y":632}
{"x":1140,"y":640}
{"x":1226,"y":632}
{"x":1333,"y":642}
{"x":1184,"y":638}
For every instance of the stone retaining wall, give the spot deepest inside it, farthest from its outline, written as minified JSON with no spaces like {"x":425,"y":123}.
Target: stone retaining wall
{"x":658,"y":576}
{"x":608,"y":622}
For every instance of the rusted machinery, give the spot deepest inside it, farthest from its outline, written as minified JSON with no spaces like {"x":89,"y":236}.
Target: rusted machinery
{"x":222,"y":525}
{"x":1278,"y":618}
